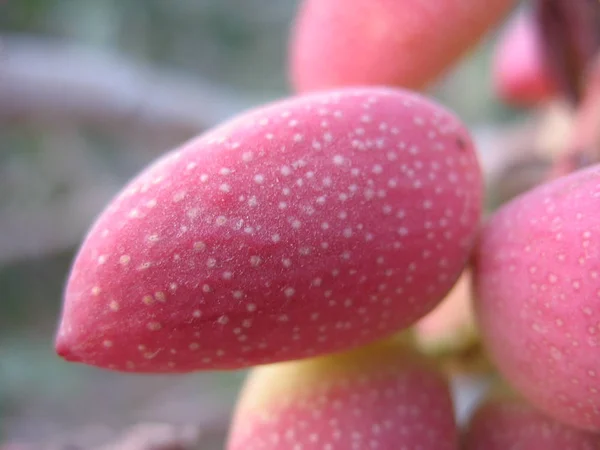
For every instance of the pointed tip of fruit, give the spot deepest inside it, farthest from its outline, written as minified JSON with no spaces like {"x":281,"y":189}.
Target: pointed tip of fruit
{"x":63,"y":346}
{"x":62,"y":349}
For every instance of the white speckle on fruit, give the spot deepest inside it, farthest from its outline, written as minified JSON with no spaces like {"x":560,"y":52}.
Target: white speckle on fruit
{"x":338,"y":160}
{"x":199,"y":246}
{"x":179,"y":196}
{"x":223,"y":320}
{"x":192,"y":213}
{"x":154,"y":326}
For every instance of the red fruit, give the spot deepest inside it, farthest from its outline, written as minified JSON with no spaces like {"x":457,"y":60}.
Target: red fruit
{"x":379,"y":397}
{"x":504,"y":423}
{"x":300,"y":228}
{"x":450,"y":327}
{"x":404,"y":43}
{"x":520,"y":74}
{"x":537,"y":280}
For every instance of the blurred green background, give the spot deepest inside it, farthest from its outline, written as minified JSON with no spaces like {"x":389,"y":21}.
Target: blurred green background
{"x":90,"y":92}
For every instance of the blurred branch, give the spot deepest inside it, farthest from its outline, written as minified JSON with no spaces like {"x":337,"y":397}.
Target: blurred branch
{"x":60,"y":85}
{"x":49,"y":80}
{"x":54,"y":227}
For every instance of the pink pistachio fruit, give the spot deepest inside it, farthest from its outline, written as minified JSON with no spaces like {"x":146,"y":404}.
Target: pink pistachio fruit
{"x":520,"y":75}
{"x":406,"y":43}
{"x":450,"y":327}
{"x":303,"y":227}
{"x":537,"y":281}
{"x":378,"y":397}
{"x":512,"y":424}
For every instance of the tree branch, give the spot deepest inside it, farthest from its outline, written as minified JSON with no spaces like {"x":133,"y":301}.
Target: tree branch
{"x":33,"y":232}
{"x":50,"y":80}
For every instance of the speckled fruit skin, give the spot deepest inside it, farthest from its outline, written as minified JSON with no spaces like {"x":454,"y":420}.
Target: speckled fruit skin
{"x":512,"y":424}
{"x":537,"y":283}
{"x":379,"y":397}
{"x":303,"y":227}
{"x":520,"y":76}
{"x":404,"y":43}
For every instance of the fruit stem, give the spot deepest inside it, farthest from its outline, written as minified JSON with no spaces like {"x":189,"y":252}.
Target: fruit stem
{"x":570,"y":34}
{"x":583,"y":147}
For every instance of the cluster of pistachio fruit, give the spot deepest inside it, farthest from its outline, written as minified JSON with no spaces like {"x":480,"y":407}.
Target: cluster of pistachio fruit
{"x":308,"y":239}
